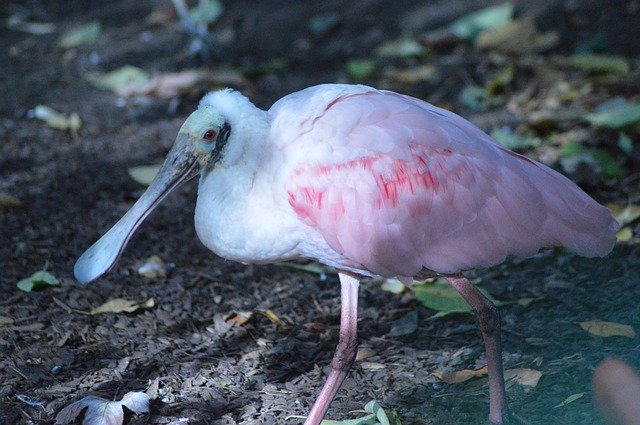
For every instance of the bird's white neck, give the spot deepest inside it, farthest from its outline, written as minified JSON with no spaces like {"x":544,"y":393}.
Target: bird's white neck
{"x":235,"y":193}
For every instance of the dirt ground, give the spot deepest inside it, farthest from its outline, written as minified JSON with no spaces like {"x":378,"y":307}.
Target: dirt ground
{"x":183,"y":349}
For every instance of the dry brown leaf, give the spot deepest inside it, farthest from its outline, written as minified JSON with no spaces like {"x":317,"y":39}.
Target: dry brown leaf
{"x":455,"y":377}
{"x":519,"y":36}
{"x":9,"y":201}
{"x":238,"y":318}
{"x":273,"y":318}
{"x":103,"y":412}
{"x":120,"y":305}
{"x":602,"y":328}
{"x":412,"y":75}
{"x":523,"y":376}
{"x":372,"y":365}
{"x":364,"y":353}
{"x":169,"y":85}
{"x":153,"y":268}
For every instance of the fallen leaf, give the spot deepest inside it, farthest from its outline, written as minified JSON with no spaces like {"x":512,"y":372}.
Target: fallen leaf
{"x":238,"y":318}
{"x":372,"y":365}
{"x":523,"y":376}
{"x":122,"y":79}
{"x":17,"y":23}
{"x":458,"y":376}
{"x":625,"y":234}
{"x":84,"y":34}
{"x":412,"y":75}
{"x":39,"y":279}
{"x":606,"y":329}
{"x":316,"y":268}
{"x":570,"y":399}
{"x":591,"y":62}
{"x":402,"y":48}
{"x":9,"y":201}
{"x":519,"y":36}
{"x":153,"y":268}
{"x":273,"y":318}
{"x":377,"y":416}
{"x":625,"y":144}
{"x":363,"y":353}
{"x":55,"y":119}
{"x":172,"y":84}
{"x":120,"y":305}
{"x":99,"y":411}
{"x":625,"y":215}
{"x":393,"y":285}
{"x":144,"y":174}
{"x":469,"y":26}
{"x":360,"y":69}
{"x":320,"y":25}
{"x":513,"y":141}
{"x":574,"y":157}
{"x":478,"y":98}
{"x":207,"y":11}
{"x":443,"y":298}
{"x":616,"y":114}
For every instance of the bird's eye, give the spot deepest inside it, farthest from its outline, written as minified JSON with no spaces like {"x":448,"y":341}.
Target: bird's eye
{"x":210,"y":135}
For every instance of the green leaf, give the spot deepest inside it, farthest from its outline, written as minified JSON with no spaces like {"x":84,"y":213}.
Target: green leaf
{"x":443,"y":298}
{"x":600,"y":63}
{"x":39,"y":279}
{"x":207,"y":11}
{"x":513,"y":141}
{"x":360,"y":69}
{"x":127,"y":76}
{"x":85,"y":34}
{"x":624,"y":235}
{"x":472,"y":96}
{"x":378,"y":416}
{"x":609,"y":167}
{"x":625,"y":143}
{"x":619,"y":115}
{"x":570,"y":399}
{"x":393,"y":285}
{"x":572,"y":148}
{"x":469,"y":26}
{"x":478,"y":98}
{"x":573,"y":153}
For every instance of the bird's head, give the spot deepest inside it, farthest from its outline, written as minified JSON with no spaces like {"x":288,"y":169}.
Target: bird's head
{"x":202,"y":142}
{"x":202,"y":137}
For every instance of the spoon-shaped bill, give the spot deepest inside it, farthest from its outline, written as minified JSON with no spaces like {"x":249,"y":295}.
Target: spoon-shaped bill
{"x":180,"y":165}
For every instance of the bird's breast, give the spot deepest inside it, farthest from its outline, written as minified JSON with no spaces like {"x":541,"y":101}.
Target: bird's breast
{"x":243,"y":218}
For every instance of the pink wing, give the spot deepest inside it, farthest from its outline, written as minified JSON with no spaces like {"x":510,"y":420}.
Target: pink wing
{"x":395,"y":185}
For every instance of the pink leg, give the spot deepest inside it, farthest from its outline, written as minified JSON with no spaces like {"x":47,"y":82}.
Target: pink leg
{"x":345,"y":351}
{"x":488,"y":319}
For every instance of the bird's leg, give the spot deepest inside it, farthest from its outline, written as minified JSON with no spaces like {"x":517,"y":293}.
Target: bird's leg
{"x":346,"y":350}
{"x":488,"y":319}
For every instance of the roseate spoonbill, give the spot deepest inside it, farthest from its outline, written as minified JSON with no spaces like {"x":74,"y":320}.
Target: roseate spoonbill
{"x":373,"y":183}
